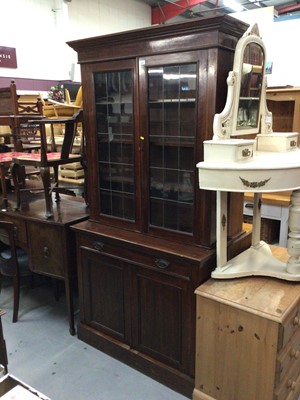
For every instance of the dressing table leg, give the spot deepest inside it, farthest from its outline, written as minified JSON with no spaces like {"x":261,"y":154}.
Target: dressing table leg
{"x":221,"y":228}
{"x":256,"y":228}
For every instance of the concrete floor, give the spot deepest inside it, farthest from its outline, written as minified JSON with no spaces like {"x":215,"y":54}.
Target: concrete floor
{"x":43,"y":354}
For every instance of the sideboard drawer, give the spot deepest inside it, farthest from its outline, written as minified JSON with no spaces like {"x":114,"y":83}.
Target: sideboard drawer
{"x":288,"y":329}
{"x":163,"y":262}
{"x":290,"y":384}
{"x":47,"y":246}
{"x":20,"y":229}
{"x":288,"y":357}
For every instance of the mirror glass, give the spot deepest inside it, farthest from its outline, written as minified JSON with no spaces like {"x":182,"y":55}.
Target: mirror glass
{"x":251,"y":86}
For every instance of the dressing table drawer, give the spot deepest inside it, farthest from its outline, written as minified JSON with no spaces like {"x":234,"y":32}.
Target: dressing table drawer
{"x":233,"y":150}
{"x":277,"y":141}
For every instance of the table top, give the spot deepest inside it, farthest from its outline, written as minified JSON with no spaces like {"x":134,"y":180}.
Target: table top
{"x":283,"y":89}
{"x":68,"y":211}
{"x":277,"y":199}
{"x":268,"y":297}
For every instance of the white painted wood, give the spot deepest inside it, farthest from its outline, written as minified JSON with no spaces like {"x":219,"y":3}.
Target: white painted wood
{"x":256,"y":220}
{"x":221,"y":228}
{"x":276,"y":169}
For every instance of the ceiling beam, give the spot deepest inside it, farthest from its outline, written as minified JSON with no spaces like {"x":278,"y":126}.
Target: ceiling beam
{"x":287,"y":9}
{"x":161,"y":14}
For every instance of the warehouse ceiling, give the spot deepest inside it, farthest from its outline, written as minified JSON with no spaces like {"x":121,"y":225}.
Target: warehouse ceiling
{"x":165,"y":10}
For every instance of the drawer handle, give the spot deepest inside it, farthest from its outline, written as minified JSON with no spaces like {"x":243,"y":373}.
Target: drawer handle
{"x":291,"y":384}
{"x":98,"y":245}
{"x":297,"y":321}
{"x":246,"y":153}
{"x":249,"y":205}
{"x":295,"y":354}
{"x":162,"y":264}
{"x":46,"y":252}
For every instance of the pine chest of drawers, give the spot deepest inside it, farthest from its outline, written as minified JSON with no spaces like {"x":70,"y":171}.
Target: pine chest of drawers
{"x":248,"y":340}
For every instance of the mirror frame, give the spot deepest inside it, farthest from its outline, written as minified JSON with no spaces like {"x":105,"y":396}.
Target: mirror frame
{"x":225,"y":123}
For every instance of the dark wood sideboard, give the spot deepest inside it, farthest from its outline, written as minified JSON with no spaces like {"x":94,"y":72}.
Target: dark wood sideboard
{"x":50,"y":243}
{"x":149,"y":98}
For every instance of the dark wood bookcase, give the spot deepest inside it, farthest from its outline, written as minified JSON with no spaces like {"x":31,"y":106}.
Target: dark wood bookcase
{"x":149,"y":98}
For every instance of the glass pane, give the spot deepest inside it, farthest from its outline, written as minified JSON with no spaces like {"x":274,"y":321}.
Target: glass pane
{"x":114,"y":121}
{"x":172,"y":130}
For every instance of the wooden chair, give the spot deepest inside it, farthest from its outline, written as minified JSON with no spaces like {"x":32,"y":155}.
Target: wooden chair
{"x":14,"y":118}
{"x":13,"y":261}
{"x":78,"y":99}
{"x":15,"y":115}
{"x":46,"y":160}
{"x":67,"y":108}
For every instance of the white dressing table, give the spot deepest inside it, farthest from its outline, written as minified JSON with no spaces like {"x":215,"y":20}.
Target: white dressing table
{"x":269,"y":163}
{"x":267,"y":172}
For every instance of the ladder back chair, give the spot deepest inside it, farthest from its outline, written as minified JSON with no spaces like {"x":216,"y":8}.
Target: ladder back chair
{"x":14,"y":119}
{"x":46,"y":160}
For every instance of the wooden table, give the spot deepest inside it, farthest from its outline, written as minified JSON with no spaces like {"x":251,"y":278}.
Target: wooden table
{"x":50,"y":243}
{"x":274,"y":206}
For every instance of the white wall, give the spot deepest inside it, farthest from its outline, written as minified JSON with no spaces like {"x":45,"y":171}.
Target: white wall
{"x":280,"y":39}
{"x":38,"y":29}
{"x":98,"y":17}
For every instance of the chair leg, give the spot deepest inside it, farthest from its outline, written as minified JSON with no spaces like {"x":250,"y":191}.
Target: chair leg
{"x":3,"y":185}
{"x":45,"y":175}
{"x":16,"y":297}
{"x":14,"y":170}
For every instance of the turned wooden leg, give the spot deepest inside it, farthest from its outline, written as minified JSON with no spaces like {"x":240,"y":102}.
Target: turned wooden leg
{"x":256,"y":228}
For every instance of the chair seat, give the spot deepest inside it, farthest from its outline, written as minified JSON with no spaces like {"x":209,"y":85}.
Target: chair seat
{"x":22,"y":260}
{"x":37,"y":157}
{"x":8,"y":157}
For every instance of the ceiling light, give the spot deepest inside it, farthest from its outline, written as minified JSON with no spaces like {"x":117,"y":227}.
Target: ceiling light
{"x":257,"y":3}
{"x":233,"y":5}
